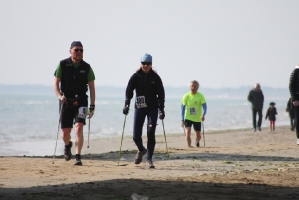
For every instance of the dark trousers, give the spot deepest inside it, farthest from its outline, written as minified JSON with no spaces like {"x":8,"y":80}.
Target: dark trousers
{"x":139,"y":117}
{"x":260,"y":115}
{"x":297,"y":121}
{"x":293,"y":123}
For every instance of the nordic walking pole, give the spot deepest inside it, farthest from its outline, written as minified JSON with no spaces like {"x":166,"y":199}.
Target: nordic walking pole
{"x":203,"y":132}
{"x":165,"y":137}
{"x":88,"y":132}
{"x":121,"y":143}
{"x":57,"y":131}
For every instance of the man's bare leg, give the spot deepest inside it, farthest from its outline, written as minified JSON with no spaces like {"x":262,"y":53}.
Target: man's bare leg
{"x":188,"y":136}
{"x":79,"y":137}
{"x":197,"y":136}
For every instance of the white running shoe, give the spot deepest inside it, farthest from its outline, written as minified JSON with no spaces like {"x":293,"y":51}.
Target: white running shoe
{"x":298,"y":141}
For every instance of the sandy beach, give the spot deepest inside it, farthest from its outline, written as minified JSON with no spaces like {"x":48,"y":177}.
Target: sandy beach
{"x":234,"y":164}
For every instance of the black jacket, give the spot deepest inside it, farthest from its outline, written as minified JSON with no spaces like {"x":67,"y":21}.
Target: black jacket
{"x":271,"y":112}
{"x":148,"y":88}
{"x":294,"y":84}
{"x":256,"y":98}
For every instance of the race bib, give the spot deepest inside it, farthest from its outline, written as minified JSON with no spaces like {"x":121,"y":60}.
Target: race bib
{"x":82,"y":112}
{"x":140,"y":102}
{"x":192,"y":111}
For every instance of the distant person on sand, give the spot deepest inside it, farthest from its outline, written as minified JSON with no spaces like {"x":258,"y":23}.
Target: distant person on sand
{"x":149,"y":102}
{"x":294,"y":91}
{"x":271,"y":114}
{"x":193,"y":111}
{"x":73,"y":77}
{"x":291,"y":110}
{"x":256,"y":98}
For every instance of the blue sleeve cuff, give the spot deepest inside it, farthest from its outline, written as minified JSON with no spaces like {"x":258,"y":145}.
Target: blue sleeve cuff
{"x":204,"y":106}
{"x":183,"y":112}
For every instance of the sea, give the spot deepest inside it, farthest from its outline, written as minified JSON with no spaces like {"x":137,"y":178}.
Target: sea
{"x":29,"y":121}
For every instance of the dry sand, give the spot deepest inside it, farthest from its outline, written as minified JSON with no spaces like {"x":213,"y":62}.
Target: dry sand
{"x":236,"y":164}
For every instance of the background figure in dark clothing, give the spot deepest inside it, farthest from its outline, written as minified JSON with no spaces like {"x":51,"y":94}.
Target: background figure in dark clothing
{"x":150,"y":97}
{"x":256,"y":98}
{"x":291,"y":110}
{"x":271,"y":112}
{"x":294,"y":91}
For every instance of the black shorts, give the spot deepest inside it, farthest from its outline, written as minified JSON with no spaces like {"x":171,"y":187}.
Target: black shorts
{"x":73,"y":112}
{"x":196,"y":125}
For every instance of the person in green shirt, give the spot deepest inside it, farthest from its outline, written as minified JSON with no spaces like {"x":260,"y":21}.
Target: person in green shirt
{"x":73,"y":77}
{"x":193,"y":111}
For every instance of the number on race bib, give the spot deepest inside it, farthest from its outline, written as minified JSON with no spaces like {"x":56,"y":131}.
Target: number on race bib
{"x":140,"y":102}
{"x":82,"y":112}
{"x":192,"y":111}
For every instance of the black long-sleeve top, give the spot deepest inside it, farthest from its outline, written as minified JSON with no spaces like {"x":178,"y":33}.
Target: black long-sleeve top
{"x":294,"y":84}
{"x":148,"y":88}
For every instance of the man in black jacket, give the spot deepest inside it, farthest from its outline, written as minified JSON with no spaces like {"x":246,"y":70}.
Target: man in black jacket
{"x":256,"y":98}
{"x":149,"y":100}
{"x":72,"y":78}
{"x":294,"y":91}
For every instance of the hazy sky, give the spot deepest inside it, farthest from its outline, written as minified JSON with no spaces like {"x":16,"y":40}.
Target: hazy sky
{"x":224,"y":43}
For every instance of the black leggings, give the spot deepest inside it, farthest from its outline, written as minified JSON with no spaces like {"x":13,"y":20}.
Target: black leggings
{"x":139,"y":118}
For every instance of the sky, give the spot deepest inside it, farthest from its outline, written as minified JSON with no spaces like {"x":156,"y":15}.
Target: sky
{"x":231,"y":43}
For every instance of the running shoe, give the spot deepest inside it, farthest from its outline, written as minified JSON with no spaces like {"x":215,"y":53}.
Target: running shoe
{"x":298,"y":141}
{"x":67,"y":151}
{"x":149,"y":164}
{"x":78,"y":160}
{"x":197,"y":144}
{"x":260,"y":129}
{"x":254,"y":130}
{"x":138,"y":157}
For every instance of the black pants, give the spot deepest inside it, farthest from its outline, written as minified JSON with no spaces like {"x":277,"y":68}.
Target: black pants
{"x":260,"y":115}
{"x":297,"y":121}
{"x":139,"y":117}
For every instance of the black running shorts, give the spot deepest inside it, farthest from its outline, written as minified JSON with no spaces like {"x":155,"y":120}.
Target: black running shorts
{"x":196,"y":125}
{"x":73,"y":113}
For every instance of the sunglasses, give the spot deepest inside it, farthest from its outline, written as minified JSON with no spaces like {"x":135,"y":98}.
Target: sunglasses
{"x":146,"y":63}
{"x":77,"y":50}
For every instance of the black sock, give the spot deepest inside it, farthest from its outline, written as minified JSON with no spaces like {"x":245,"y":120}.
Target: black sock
{"x":68,"y":145}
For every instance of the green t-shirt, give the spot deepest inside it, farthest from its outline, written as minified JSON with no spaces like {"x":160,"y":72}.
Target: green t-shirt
{"x":90,"y":75}
{"x":193,"y":106}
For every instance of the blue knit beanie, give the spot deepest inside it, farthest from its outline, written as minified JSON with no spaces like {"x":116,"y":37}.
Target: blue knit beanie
{"x":146,"y":58}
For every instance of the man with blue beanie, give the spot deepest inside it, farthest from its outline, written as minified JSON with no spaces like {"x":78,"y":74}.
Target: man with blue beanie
{"x":149,"y":102}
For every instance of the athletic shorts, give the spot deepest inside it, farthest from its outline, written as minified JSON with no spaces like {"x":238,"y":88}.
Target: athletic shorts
{"x":73,"y":112}
{"x":196,"y":125}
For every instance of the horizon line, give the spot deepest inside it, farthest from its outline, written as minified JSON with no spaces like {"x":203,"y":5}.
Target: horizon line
{"x":166,"y":86}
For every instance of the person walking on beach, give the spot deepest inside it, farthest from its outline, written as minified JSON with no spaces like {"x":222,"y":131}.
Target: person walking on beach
{"x":294,"y":91}
{"x":72,"y":78}
{"x":149,"y":100}
{"x":193,"y":111}
{"x":291,"y":110}
{"x":256,"y":98}
{"x":271,"y":114}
